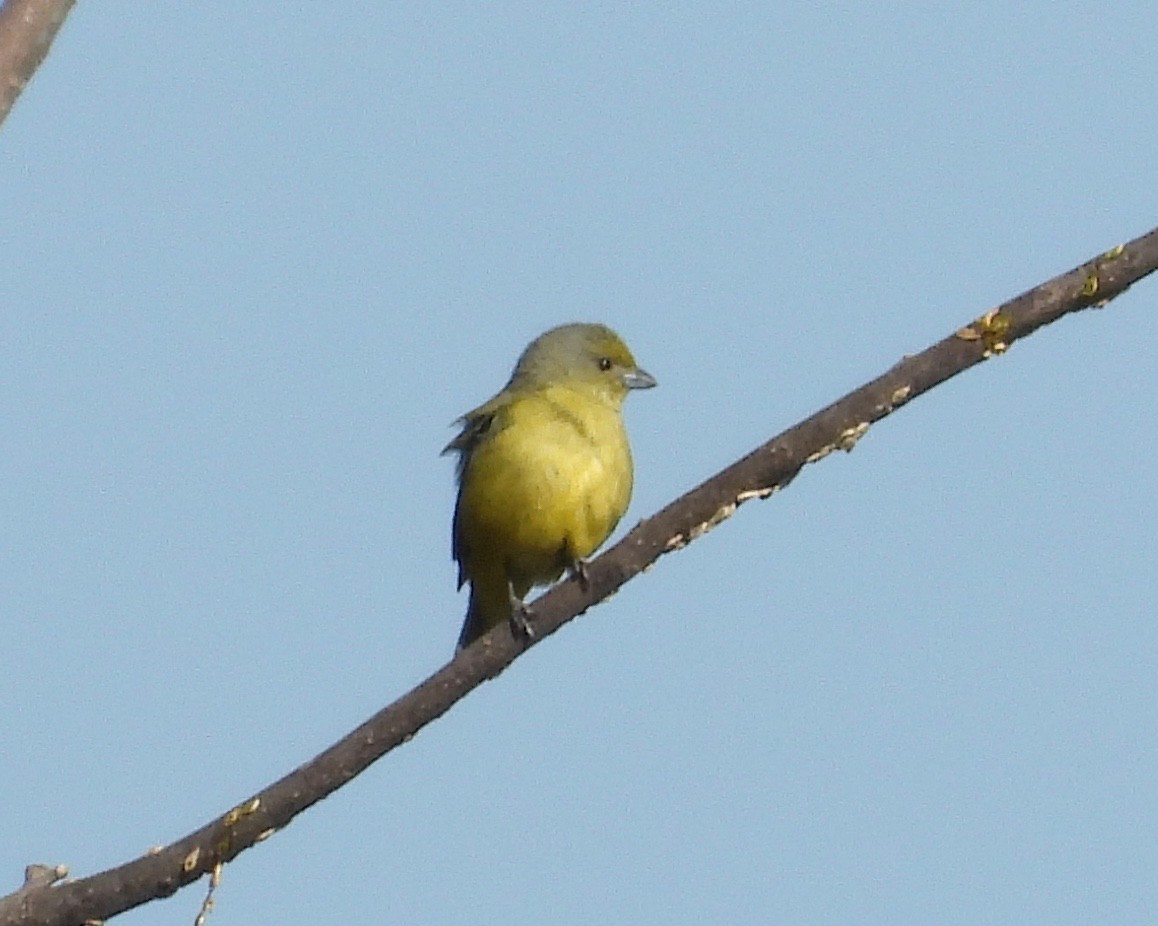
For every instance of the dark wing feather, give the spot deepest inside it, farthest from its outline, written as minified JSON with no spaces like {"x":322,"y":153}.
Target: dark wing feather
{"x":476,"y":425}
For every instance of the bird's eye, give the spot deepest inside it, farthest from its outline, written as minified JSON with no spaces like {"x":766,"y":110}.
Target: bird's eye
{"x":605,"y":364}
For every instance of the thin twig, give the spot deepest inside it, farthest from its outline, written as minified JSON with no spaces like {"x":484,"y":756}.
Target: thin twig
{"x":27,"y":28}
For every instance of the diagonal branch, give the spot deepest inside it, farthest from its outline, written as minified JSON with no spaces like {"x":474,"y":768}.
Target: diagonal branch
{"x":27,"y":28}
{"x":767,"y":468}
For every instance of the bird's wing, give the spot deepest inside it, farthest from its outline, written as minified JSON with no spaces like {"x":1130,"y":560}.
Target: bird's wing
{"x":477,"y":426}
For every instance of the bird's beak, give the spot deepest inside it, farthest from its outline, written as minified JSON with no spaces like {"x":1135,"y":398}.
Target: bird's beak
{"x":638,"y":379}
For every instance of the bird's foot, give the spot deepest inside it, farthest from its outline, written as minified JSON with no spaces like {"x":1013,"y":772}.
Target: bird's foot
{"x":579,"y":571}
{"x":520,"y":621}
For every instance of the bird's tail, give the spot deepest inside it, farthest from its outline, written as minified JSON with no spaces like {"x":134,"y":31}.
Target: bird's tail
{"x":473,"y":627}
{"x":487,"y":609}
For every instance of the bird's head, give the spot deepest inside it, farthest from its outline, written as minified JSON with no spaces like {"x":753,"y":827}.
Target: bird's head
{"x":588,"y":357}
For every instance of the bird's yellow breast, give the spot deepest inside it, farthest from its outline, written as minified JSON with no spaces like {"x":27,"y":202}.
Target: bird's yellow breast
{"x":547,"y":485}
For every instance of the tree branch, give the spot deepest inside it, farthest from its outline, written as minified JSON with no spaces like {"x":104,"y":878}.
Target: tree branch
{"x":27,"y":28}
{"x":767,"y":468}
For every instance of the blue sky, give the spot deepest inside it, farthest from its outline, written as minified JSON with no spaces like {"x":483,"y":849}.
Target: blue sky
{"x":259,"y":256}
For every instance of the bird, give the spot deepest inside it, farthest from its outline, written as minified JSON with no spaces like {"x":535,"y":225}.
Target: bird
{"x":544,"y":472}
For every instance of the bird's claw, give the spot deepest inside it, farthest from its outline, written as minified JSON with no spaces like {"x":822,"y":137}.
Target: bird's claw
{"x":520,"y":621}
{"x":579,"y":571}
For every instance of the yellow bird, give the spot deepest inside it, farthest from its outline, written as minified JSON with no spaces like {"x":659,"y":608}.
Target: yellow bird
{"x":544,"y":471}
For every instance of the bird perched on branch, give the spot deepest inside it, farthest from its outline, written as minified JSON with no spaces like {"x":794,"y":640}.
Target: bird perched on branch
{"x":544,"y":471}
